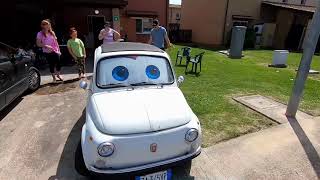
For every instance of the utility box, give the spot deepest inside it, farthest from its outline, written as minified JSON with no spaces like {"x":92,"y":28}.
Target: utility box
{"x":280,"y":57}
{"x":237,"y":42}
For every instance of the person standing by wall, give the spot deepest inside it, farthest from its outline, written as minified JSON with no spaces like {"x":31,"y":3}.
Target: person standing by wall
{"x":47,"y":40}
{"x":77,"y":51}
{"x":108,"y":35}
{"x":159,"y":35}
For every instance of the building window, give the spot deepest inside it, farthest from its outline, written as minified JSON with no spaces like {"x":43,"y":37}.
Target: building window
{"x":178,"y":16}
{"x":285,"y":1}
{"x":144,"y":25}
{"x":240,"y":23}
{"x":303,"y":2}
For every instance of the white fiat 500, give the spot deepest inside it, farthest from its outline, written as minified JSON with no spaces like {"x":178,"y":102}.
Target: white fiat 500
{"x":137,"y":119}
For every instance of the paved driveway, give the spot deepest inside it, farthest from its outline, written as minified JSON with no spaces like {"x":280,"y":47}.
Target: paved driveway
{"x":39,"y":134}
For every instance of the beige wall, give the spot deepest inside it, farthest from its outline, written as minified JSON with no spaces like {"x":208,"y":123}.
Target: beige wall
{"x":268,"y":34}
{"x":249,"y":8}
{"x":311,"y":2}
{"x":308,"y":2}
{"x":173,"y":15}
{"x":205,"y":18}
{"x":284,"y":22}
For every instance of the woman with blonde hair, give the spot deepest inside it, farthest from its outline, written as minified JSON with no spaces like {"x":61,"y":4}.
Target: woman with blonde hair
{"x":47,"y":40}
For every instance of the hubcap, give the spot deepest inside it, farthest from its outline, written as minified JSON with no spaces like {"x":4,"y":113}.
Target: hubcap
{"x":33,"y":80}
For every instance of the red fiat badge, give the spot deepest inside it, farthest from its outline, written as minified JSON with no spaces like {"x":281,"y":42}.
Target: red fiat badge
{"x":153,"y":147}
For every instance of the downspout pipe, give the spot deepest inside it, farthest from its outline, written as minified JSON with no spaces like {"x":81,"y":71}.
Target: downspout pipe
{"x":225,"y":22}
{"x":167,"y":14}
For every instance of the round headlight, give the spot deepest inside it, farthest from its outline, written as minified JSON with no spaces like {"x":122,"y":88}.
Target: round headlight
{"x":106,"y":149}
{"x":192,"y":135}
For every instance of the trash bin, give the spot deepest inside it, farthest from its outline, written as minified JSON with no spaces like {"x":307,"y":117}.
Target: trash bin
{"x":237,"y":41}
{"x":280,"y":57}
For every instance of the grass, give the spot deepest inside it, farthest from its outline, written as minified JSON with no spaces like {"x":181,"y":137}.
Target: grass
{"x":210,"y":94}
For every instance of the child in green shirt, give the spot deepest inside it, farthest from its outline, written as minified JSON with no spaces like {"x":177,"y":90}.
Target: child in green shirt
{"x":77,"y":51}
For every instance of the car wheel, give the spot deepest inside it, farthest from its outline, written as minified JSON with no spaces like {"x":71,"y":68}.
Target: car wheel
{"x":79,"y":162}
{"x":33,"y":80}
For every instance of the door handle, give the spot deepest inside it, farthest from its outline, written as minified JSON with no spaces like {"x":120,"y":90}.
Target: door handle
{"x":2,"y":77}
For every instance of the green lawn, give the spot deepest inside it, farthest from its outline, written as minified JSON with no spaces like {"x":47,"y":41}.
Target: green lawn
{"x":209,"y":95}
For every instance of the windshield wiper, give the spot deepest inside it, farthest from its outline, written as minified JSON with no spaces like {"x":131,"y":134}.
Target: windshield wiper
{"x":147,"y":84}
{"x":117,"y":85}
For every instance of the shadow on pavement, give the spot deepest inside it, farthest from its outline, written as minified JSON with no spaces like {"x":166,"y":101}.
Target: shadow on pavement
{"x":70,"y":69}
{"x":66,"y":168}
{"x":307,"y":145}
{"x":10,"y":107}
{"x":58,"y":87}
{"x":69,"y":81}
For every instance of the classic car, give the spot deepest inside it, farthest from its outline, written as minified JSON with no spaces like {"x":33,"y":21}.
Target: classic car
{"x":137,"y":118}
{"x":17,"y":74}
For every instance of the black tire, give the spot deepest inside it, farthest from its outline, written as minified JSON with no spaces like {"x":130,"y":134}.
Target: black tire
{"x":34,"y":80}
{"x":79,"y":162}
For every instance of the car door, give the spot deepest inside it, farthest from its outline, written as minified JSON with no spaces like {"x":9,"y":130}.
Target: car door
{"x":6,"y":75}
{"x":19,"y":64}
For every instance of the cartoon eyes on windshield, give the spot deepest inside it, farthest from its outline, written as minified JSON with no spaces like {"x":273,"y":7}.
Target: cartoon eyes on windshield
{"x":120,"y":73}
{"x":153,"y":72}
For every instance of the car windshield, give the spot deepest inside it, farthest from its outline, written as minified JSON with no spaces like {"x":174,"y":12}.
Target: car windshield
{"x":135,"y":70}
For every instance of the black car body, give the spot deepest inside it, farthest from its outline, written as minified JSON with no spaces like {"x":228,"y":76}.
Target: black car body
{"x":17,"y":74}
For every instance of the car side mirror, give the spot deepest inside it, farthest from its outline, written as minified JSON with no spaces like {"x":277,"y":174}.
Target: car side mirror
{"x":83,"y":85}
{"x":180,"y":80}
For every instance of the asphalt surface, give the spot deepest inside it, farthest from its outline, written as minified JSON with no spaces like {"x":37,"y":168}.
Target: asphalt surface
{"x":39,"y":134}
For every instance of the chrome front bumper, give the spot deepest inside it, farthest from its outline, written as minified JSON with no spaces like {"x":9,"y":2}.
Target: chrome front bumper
{"x":147,"y":166}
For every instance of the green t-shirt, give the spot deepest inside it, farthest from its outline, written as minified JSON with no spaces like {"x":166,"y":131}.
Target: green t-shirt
{"x":76,"y":46}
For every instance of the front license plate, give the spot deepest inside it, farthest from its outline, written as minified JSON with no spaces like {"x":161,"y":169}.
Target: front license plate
{"x":163,"y":175}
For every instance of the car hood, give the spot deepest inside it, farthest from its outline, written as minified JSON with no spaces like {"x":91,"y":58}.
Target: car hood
{"x":141,"y":110}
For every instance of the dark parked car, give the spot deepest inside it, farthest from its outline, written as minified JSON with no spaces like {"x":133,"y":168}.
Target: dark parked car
{"x":17,"y":74}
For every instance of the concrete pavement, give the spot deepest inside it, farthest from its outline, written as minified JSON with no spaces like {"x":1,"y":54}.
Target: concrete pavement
{"x":287,"y":151}
{"x":268,"y":107}
{"x":39,"y":134}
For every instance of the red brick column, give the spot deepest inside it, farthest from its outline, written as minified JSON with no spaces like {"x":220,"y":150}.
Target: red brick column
{"x":116,"y":19}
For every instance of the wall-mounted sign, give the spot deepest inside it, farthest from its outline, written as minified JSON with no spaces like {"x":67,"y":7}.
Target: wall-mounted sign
{"x":116,"y":18}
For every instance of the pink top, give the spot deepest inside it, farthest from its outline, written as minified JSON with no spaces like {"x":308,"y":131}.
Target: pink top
{"x":49,"y":40}
{"x":108,"y":36}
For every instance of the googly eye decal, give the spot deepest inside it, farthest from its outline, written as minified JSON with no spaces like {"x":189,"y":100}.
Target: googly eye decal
{"x":152,"y":72}
{"x":120,"y":73}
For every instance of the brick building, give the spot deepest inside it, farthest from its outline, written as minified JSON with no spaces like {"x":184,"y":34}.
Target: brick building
{"x":174,"y":14}
{"x":284,"y":22}
{"x":133,"y":18}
